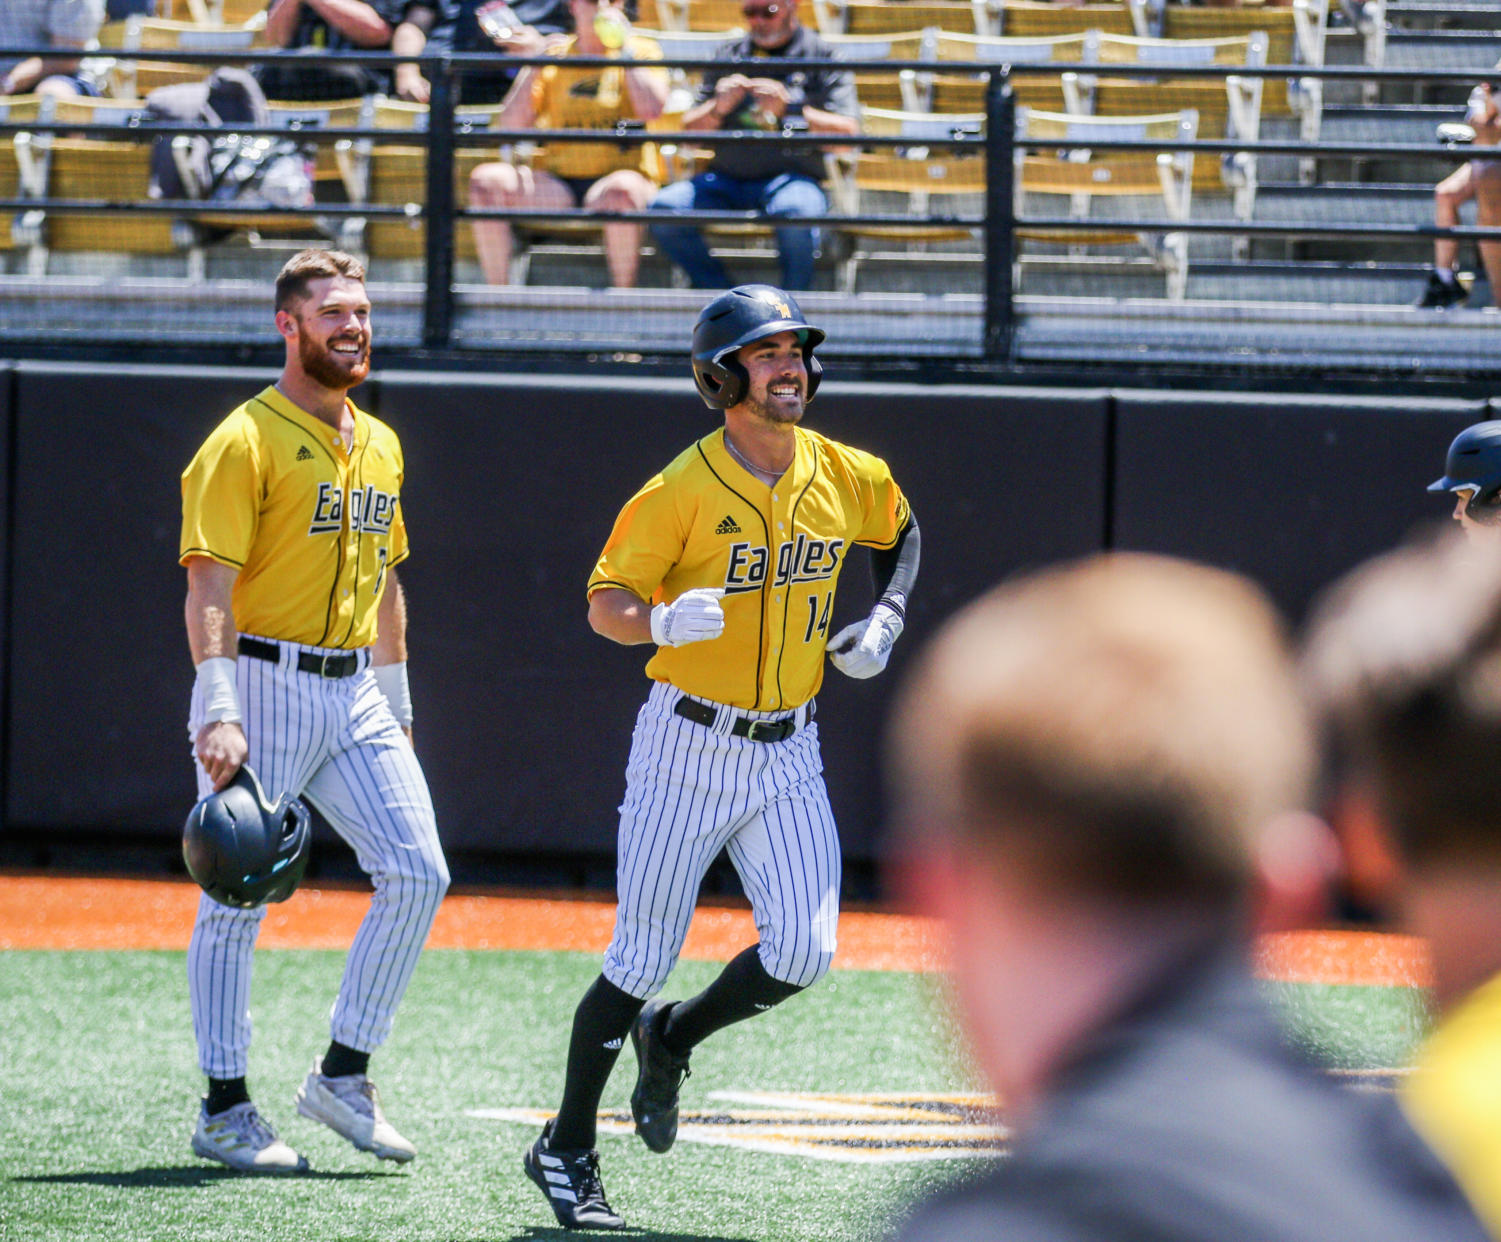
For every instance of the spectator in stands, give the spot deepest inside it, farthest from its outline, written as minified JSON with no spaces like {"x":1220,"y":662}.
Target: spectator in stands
{"x":312,"y":27}
{"x":1404,"y":661}
{"x":602,"y":177}
{"x":67,"y":25}
{"x":1099,"y":771}
{"x":1478,"y":179}
{"x":519,"y":28}
{"x":779,"y":181}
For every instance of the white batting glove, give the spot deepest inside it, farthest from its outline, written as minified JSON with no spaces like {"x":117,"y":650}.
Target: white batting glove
{"x":693,"y":617}
{"x":862,"y":648}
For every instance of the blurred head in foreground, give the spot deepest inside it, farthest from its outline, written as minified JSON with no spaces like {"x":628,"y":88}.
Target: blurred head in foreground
{"x":1403,"y":662}
{"x":1099,"y":772}
{"x":1087,"y":764}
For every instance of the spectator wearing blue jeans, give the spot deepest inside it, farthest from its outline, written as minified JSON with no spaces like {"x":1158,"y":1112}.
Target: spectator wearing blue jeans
{"x":782,"y":182}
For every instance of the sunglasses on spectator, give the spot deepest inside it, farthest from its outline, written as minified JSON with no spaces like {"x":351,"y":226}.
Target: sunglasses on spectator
{"x":754,"y":11}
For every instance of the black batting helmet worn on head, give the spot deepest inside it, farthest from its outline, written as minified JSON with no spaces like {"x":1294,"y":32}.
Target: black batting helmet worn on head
{"x":736,"y":318}
{"x":1474,"y":462}
{"x":243,"y":849}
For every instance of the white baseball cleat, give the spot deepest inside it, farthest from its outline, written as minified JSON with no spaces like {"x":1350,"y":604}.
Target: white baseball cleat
{"x":241,"y":1138}
{"x":350,"y":1105}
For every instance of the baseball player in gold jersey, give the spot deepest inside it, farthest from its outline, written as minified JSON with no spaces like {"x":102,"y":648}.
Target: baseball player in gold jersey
{"x":291,"y":533}
{"x":728,"y":561}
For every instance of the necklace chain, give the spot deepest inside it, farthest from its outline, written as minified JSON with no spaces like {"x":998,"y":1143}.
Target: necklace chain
{"x":767,"y":476}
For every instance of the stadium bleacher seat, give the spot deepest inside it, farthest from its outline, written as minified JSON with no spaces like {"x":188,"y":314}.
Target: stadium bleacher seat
{"x":1033,"y":19}
{"x":1228,"y":107}
{"x":876,"y":17}
{"x":132,"y":78}
{"x":1094,"y":185}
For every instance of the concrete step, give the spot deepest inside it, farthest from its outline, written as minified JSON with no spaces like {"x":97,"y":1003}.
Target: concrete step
{"x":1462,"y":51}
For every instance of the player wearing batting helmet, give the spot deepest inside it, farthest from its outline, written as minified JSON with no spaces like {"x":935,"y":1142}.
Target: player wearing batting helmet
{"x":727,"y":561}
{"x":292,"y":528}
{"x":1472,"y":471}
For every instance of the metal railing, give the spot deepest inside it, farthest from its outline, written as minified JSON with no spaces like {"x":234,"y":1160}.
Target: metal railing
{"x":997,"y":226}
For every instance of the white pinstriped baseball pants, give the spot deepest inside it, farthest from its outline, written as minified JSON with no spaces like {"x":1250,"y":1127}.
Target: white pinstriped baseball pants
{"x":692,"y":790}
{"x":335,"y":742}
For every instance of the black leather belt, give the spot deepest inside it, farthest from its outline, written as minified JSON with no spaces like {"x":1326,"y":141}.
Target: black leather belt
{"x":345,"y":664}
{"x":755,"y":730}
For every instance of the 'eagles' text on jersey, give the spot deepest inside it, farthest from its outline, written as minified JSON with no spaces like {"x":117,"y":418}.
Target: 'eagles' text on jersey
{"x":777,"y":551}
{"x":312,"y":527}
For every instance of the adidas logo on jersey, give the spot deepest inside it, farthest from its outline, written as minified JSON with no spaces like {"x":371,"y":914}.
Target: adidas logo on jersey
{"x":727,"y":527}
{"x":304,"y":453}
{"x":616,"y":1044}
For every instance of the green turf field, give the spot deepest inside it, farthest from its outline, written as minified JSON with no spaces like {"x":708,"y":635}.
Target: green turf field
{"x":98,"y":1084}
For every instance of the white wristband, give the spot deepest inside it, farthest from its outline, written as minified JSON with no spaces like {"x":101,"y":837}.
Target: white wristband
{"x":215,"y":686}
{"x":659,"y":625}
{"x":392,"y":680}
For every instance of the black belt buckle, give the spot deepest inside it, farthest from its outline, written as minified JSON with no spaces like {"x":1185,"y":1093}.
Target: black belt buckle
{"x":770,"y":730}
{"x":329,"y":666}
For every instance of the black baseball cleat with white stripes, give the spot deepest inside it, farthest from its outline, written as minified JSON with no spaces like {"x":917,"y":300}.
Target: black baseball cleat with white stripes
{"x":571,"y":1182}
{"x":659,"y":1076}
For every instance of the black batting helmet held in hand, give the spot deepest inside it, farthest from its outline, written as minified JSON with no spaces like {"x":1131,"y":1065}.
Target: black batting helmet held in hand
{"x":736,"y":318}
{"x":1474,"y":462}
{"x":243,"y":849}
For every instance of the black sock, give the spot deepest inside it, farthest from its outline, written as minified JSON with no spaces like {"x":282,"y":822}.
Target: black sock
{"x":600,"y":1026}
{"x":225,"y":1093}
{"x":340,"y":1061}
{"x":742,"y":990}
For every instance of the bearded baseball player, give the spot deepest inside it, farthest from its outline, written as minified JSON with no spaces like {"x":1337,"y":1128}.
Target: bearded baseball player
{"x":727,"y":561}
{"x":291,"y":533}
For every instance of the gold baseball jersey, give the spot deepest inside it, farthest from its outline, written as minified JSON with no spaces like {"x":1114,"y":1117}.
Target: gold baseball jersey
{"x":705,"y":521}
{"x":592,"y":98}
{"x":1454,"y":1096}
{"x":311,"y":527}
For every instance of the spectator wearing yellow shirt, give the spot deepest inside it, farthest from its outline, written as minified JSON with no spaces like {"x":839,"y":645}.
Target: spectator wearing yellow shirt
{"x":605,"y":176}
{"x":1404,"y":662}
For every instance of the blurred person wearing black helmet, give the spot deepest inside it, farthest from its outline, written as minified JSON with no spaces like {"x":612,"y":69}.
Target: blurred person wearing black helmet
{"x":1472,"y":473}
{"x":727,"y":562}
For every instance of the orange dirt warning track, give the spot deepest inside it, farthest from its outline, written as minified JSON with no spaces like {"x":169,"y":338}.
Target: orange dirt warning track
{"x":46,"y":912}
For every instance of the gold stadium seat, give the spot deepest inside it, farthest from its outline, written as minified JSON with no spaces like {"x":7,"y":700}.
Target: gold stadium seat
{"x":947,"y":92}
{"x":214,"y":12}
{"x":709,"y":16}
{"x":1031,"y":19}
{"x":131,"y":77}
{"x":920,"y":127}
{"x":92,"y":170}
{"x":923,"y":186}
{"x":1228,"y":107}
{"x":395,"y":173}
{"x":880,"y":17}
{"x":1084,"y":182}
{"x":877,"y":88}
{"x":14,"y":109}
{"x":1295,"y":35}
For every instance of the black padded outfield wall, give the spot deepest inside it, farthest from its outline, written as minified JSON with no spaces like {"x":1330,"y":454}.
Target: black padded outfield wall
{"x":6,"y":547}
{"x":523,"y":714}
{"x":99,"y":666}
{"x":1291,"y":490}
